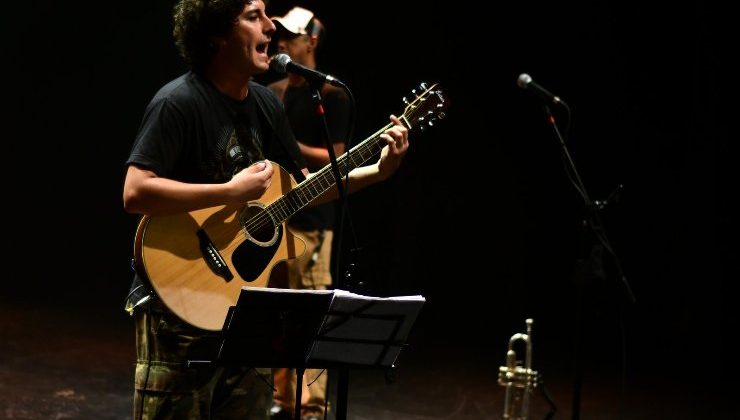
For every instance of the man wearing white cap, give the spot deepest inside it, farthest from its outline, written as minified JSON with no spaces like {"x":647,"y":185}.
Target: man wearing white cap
{"x":299,"y":33}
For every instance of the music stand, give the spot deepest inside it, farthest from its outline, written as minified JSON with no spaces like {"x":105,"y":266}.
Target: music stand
{"x":319,"y":329}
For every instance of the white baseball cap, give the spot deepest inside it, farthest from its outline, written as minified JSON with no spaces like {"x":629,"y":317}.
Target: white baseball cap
{"x":296,"y":21}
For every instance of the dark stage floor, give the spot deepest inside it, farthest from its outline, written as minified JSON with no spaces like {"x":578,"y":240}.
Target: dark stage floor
{"x":77,"y":363}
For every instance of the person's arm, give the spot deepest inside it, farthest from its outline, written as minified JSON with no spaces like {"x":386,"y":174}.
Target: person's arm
{"x":319,"y":156}
{"x":336,"y":111}
{"x":146,"y":193}
{"x":390,"y":159}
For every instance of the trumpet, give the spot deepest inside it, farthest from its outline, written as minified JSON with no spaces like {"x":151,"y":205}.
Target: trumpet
{"x":520,"y":381}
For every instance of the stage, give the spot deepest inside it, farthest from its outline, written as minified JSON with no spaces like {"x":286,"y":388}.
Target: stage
{"x":482,"y":218}
{"x":76,"y":362}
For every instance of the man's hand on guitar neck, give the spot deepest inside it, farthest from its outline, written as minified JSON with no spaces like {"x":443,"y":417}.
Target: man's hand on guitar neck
{"x":391,"y":156}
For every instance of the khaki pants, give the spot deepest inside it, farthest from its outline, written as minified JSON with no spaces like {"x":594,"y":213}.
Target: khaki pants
{"x":309,"y":271}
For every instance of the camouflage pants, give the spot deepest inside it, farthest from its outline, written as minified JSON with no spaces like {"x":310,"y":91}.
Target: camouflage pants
{"x":165,"y":387}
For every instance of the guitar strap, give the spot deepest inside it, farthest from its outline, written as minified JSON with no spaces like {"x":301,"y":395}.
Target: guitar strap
{"x":268,"y":109}
{"x":247,"y":130}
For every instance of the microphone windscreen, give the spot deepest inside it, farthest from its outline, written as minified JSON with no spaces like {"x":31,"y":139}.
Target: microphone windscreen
{"x":524,"y":80}
{"x":279,"y":62}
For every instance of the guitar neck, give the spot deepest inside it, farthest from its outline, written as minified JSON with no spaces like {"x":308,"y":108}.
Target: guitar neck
{"x":308,"y":190}
{"x":427,"y":106}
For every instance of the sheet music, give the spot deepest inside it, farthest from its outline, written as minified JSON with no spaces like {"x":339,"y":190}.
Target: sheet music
{"x":365,"y":329}
{"x":351,"y":295}
{"x":356,"y":329}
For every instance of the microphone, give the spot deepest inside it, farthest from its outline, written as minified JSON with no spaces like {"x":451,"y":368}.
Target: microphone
{"x":525,"y":82}
{"x":282,"y":63}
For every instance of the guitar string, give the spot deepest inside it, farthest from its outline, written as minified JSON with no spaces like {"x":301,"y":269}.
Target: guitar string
{"x":279,"y":210}
{"x":282,"y":205}
{"x":265,"y":219}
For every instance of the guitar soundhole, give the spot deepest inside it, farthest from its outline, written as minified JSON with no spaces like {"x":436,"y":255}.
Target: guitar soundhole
{"x":258,"y":224}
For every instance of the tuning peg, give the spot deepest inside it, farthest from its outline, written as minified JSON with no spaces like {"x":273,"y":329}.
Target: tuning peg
{"x":405,"y":100}
{"x":421,"y":90}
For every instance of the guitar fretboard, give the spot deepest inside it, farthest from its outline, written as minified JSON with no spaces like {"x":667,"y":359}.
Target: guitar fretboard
{"x":307,"y":191}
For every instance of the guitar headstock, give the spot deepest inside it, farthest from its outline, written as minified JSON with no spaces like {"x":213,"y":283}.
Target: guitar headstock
{"x":426,"y":107}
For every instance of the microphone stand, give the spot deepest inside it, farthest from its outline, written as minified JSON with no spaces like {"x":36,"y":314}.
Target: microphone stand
{"x":316,"y":96}
{"x":343,"y":377}
{"x":597,"y":239}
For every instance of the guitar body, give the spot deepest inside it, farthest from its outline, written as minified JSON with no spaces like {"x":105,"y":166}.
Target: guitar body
{"x":197,"y":262}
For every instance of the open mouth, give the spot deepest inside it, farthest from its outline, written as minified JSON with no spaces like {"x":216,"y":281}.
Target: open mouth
{"x":262,"y":48}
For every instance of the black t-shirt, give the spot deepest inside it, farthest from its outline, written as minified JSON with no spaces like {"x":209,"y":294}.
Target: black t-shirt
{"x":189,"y":127}
{"x":308,"y":128}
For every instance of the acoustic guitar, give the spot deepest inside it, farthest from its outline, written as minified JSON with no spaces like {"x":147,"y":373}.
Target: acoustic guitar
{"x":197,"y":262}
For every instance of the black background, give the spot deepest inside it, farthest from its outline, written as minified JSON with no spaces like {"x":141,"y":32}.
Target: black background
{"x":481,"y":219}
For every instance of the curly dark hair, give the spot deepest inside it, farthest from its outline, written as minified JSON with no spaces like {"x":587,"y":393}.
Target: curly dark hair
{"x":198,"y":21}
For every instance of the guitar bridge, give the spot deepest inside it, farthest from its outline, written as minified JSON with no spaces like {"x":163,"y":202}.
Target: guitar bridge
{"x":213,"y":257}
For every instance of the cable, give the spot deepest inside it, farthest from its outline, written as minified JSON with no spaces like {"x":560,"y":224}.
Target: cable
{"x":595,"y":226}
{"x":344,"y":214}
{"x":624,"y":365}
